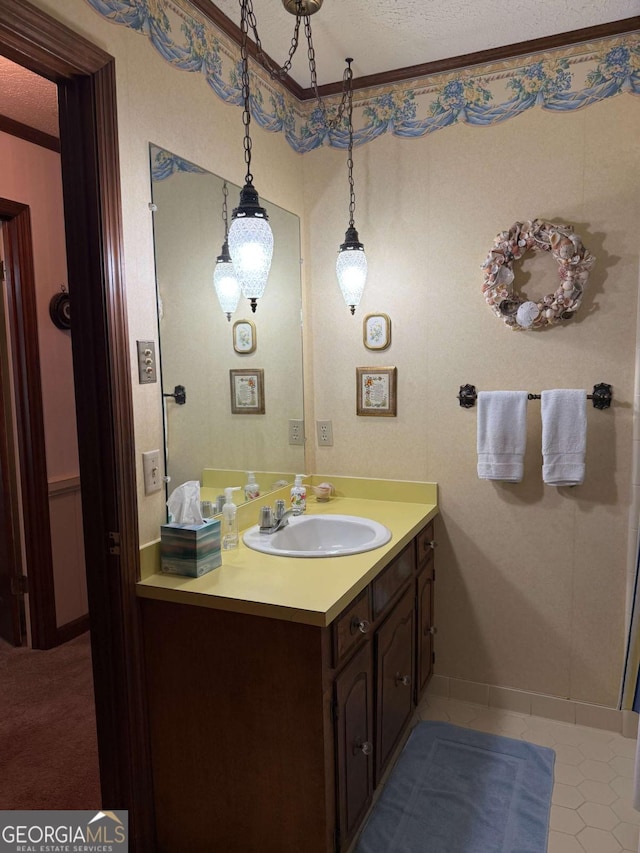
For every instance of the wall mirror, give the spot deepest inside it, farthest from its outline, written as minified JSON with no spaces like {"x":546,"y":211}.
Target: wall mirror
{"x":221,"y":432}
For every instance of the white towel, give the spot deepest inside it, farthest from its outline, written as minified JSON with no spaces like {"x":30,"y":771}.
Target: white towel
{"x":564,"y":436}
{"x":502,"y":435}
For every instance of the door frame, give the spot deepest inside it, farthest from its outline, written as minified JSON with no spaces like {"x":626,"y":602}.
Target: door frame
{"x":85,"y":76}
{"x":12,"y":615}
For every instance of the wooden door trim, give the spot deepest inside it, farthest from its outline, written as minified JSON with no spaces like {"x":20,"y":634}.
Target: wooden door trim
{"x":91,"y":189}
{"x":21,"y":301}
{"x":8,"y":484}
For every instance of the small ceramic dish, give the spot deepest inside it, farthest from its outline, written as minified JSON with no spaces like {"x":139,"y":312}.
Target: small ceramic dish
{"x":322,"y":492}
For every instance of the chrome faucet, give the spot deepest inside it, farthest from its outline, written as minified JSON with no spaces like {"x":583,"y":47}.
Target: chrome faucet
{"x":273,"y":520}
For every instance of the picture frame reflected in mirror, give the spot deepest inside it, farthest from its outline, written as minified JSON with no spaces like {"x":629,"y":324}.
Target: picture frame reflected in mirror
{"x":247,"y":391}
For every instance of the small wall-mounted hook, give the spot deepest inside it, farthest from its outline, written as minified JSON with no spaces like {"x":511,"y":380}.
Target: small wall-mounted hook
{"x":179,"y":395}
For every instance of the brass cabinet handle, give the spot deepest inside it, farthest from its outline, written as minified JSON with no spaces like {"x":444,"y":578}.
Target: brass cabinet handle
{"x":405,"y":680}
{"x":362,"y":625}
{"x":365,"y":747}
{"x":430,"y":630}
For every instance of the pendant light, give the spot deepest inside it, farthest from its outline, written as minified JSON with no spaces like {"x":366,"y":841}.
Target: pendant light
{"x":225,"y":280}
{"x":250,"y":237}
{"x":351,"y":265}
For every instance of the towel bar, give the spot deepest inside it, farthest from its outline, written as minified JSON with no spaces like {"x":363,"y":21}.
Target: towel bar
{"x":602,"y":396}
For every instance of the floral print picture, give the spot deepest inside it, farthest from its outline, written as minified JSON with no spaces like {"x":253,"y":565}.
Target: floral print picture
{"x":376,"y":331}
{"x":247,"y":392}
{"x":376,"y":391}
{"x":244,"y":336}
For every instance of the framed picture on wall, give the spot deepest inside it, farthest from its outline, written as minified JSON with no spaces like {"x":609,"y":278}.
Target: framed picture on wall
{"x":247,"y":392}
{"x":376,"y":391}
{"x":376,"y":331}
{"x":244,"y":336}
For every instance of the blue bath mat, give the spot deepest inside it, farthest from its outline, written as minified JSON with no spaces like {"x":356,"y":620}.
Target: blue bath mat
{"x":455,"y":790}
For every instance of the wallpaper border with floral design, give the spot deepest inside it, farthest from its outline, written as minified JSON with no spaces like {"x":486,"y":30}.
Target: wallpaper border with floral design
{"x":560,"y":80}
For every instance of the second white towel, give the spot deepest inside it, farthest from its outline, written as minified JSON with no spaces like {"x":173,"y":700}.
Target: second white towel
{"x":564,"y":436}
{"x":502,"y":435}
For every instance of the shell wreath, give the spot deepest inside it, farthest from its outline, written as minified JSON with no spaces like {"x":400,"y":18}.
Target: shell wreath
{"x":574,"y":264}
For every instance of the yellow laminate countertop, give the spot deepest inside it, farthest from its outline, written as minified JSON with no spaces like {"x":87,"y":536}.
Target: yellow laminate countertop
{"x":311,"y":590}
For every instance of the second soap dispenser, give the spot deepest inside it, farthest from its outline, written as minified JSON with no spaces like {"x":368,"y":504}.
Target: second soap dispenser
{"x":230,"y":537}
{"x":299,"y":494}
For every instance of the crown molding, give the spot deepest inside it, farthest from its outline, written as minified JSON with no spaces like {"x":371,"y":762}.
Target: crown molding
{"x":411,"y":72}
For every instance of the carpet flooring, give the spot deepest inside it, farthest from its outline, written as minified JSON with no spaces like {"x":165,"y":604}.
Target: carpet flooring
{"x":48,"y":747}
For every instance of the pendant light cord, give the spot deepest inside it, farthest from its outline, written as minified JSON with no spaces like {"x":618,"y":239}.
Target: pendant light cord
{"x":225,"y":212}
{"x":273,"y":70}
{"x":348,"y":77}
{"x":246,"y":92}
{"x":248,"y":19}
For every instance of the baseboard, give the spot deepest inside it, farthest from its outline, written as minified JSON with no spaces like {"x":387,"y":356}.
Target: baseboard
{"x":536,"y":704}
{"x":73,"y":629}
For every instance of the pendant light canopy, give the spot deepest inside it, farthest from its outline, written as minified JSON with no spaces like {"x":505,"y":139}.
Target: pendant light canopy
{"x":225,"y":280}
{"x":250,"y":235}
{"x":351,"y":265}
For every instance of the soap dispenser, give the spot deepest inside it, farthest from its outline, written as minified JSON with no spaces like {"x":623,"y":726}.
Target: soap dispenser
{"x":299,"y":494}
{"x":230,"y":536}
{"x":252,"y":489}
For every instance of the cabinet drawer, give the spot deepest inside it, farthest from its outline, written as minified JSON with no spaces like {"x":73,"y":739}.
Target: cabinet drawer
{"x":388,"y":585}
{"x":424,"y":543}
{"x":351,"y":626}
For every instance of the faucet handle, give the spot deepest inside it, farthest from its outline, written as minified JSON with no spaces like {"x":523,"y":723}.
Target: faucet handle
{"x":280,"y":509}
{"x":266,"y":517}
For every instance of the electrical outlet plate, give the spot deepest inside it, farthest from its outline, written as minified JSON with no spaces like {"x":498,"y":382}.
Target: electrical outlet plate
{"x":151,"y":469}
{"x":296,"y":432}
{"x":325,"y":433}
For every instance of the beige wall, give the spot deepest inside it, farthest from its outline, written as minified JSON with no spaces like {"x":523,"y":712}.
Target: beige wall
{"x":31,"y":175}
{"x":531,"y":581}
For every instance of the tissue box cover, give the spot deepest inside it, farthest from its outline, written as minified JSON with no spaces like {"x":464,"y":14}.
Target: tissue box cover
{"x":190,"y":549}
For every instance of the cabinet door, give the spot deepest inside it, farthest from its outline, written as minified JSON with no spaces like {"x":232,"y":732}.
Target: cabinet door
{"x":394,"y":677}
{"x":354,"y":738}
{"x":426,"y":629}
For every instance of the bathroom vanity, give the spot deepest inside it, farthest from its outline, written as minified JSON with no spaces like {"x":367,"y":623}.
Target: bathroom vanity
{"x":272,"y":723}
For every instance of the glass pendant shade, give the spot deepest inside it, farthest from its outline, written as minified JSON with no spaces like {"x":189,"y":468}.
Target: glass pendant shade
{"x":251,"y":245}
{"x":351,"y":269}
{"x":226,"y":282}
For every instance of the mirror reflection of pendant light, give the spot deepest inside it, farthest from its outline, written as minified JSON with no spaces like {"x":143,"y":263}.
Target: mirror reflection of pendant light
{"x":250,"y":236}
{"x":225,"y":280}
{"x":351,"y":265}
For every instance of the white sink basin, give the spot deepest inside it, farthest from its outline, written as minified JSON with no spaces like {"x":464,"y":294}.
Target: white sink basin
{"x":320,"y":536}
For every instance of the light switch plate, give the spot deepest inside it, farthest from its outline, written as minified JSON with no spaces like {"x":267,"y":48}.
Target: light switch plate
{"x":151,"y":470}
{"x":147,"y":371}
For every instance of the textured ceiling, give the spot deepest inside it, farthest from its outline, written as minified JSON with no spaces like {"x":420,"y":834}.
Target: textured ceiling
{"x":383,"y":35}
{"x":27,"y":98}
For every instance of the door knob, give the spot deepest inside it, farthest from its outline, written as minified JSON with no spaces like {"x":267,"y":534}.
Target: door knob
{"x":365,"y":747}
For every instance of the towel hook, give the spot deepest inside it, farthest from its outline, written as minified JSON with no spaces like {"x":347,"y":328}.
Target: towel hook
{"x":179,"y":395}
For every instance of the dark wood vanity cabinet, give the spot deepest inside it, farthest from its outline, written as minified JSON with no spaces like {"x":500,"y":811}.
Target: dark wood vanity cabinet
{"x":270,"y":736}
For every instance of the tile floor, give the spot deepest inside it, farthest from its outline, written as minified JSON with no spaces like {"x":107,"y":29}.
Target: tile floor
{"x":591,"y":808}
